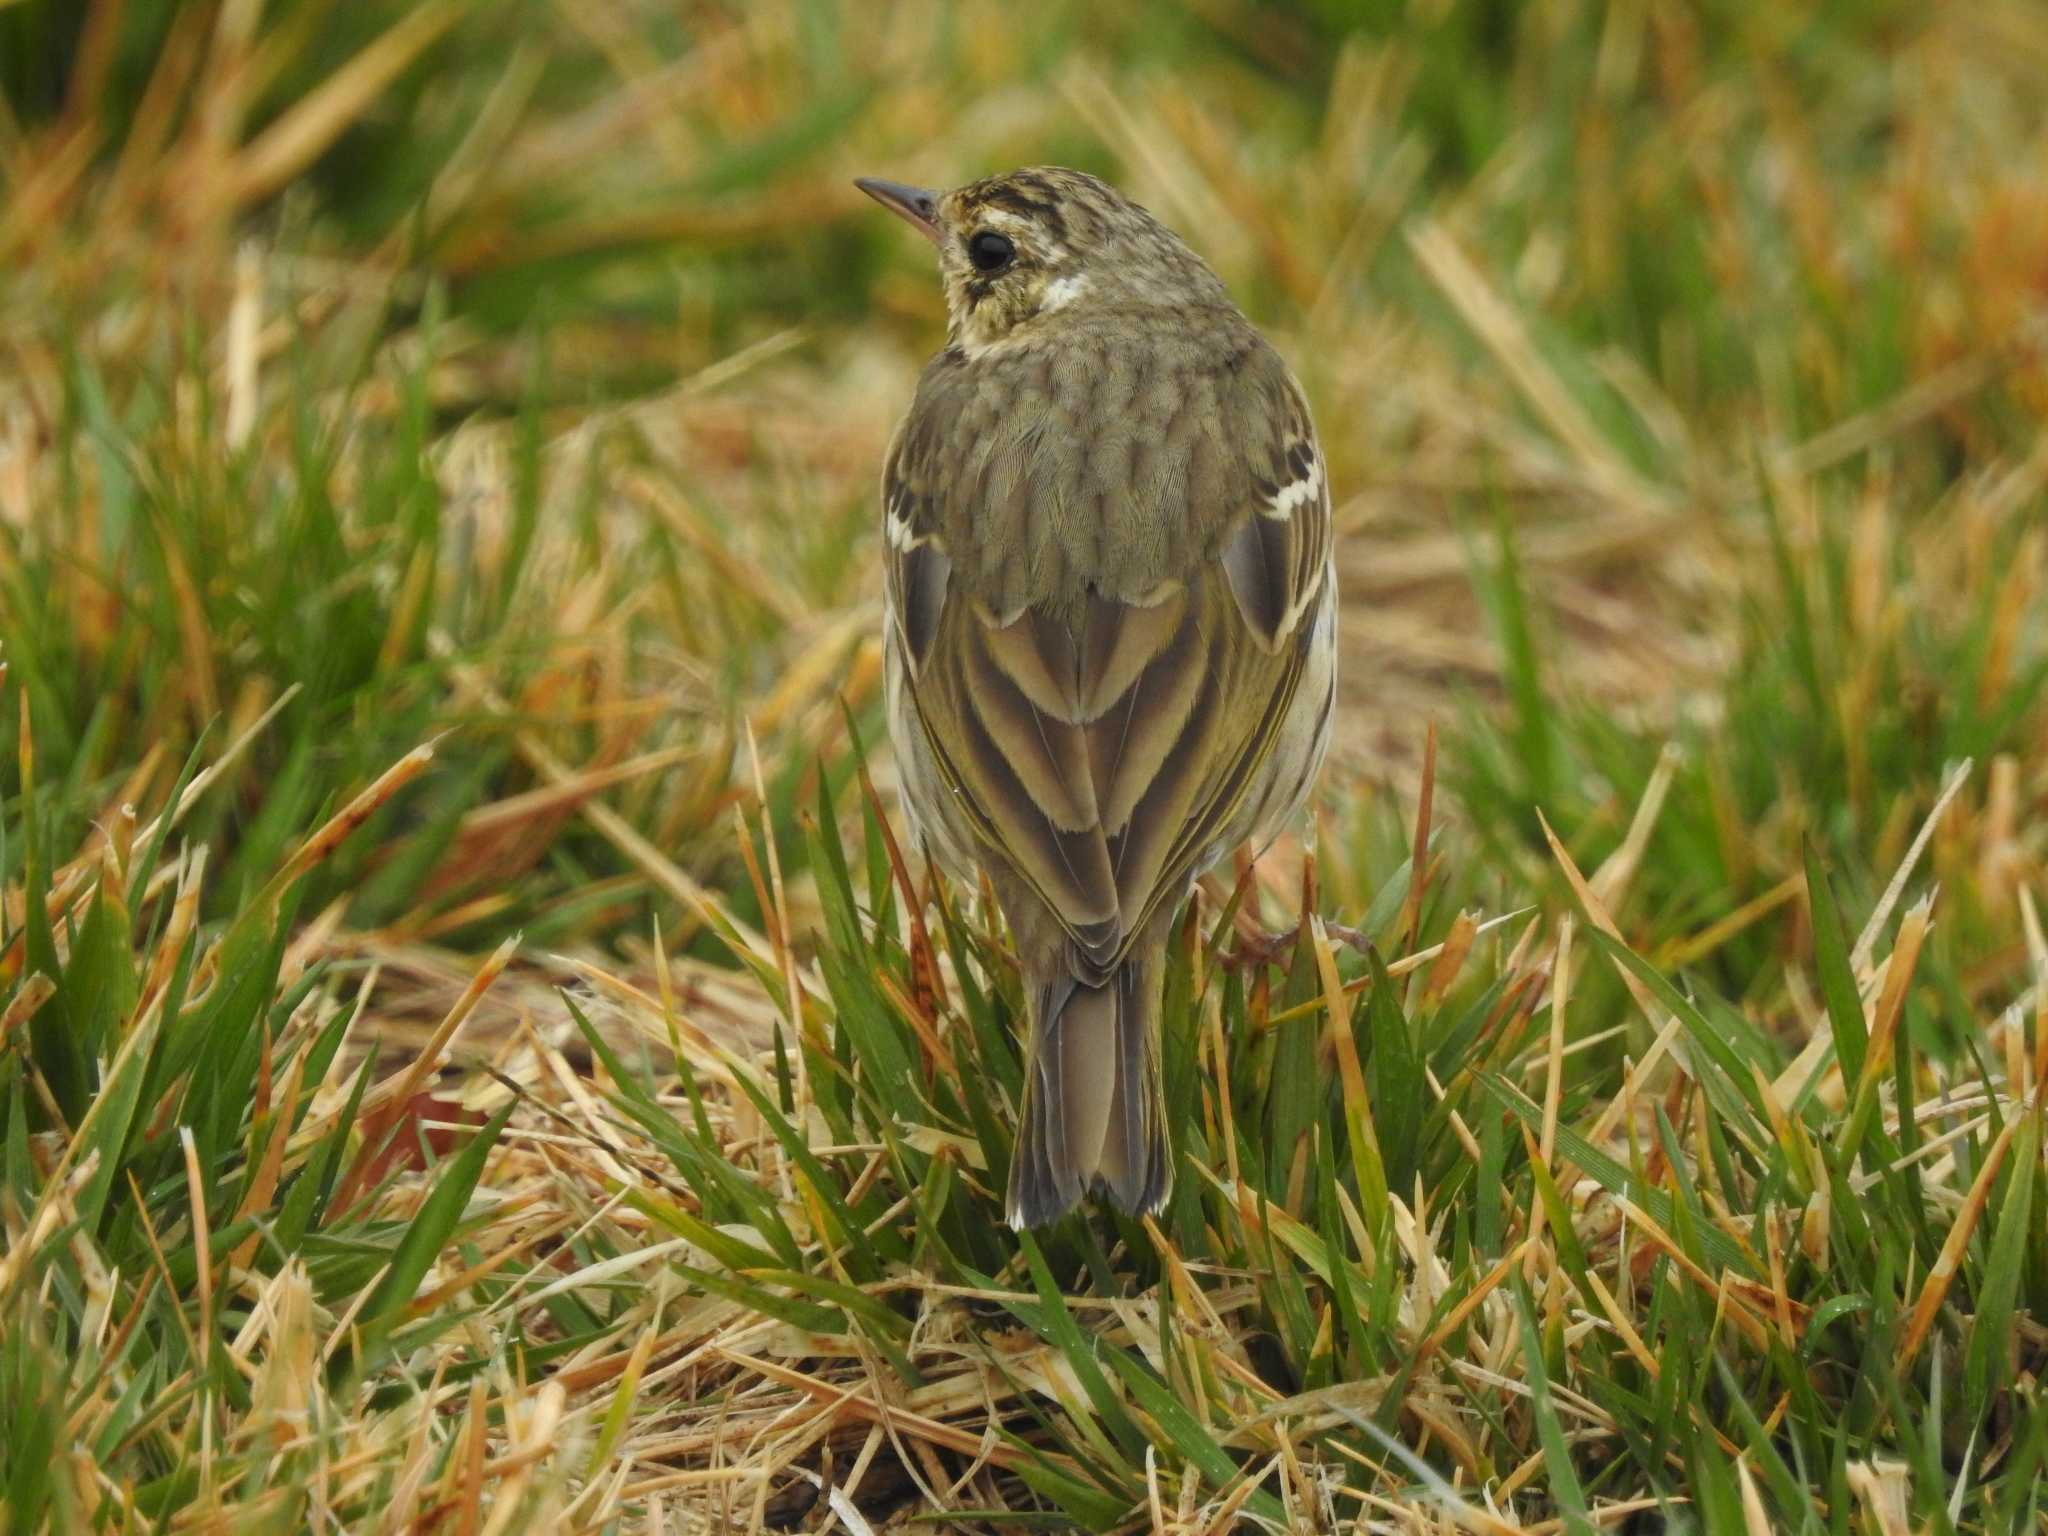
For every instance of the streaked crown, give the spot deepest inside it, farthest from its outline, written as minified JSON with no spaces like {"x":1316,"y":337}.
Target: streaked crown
{"x":1018,"y":250}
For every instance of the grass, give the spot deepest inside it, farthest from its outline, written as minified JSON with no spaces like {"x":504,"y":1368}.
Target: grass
{"x":475,"y":1050}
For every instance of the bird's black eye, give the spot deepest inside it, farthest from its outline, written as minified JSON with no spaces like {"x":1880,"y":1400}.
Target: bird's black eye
{"x":989,"y":251}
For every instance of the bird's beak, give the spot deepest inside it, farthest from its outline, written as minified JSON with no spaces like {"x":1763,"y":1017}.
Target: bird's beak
{"x":914,"y":205}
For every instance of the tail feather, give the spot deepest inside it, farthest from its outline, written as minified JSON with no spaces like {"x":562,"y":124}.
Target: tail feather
{"x":1094,"y":1112}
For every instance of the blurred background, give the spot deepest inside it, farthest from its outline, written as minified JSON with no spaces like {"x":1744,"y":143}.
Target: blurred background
{"x":524,"y":368}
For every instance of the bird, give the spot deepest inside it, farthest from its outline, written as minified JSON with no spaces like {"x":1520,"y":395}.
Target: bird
{"x":1109,"y":633}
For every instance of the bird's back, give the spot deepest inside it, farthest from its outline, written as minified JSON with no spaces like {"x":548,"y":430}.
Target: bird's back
{"x":1103,"y":459}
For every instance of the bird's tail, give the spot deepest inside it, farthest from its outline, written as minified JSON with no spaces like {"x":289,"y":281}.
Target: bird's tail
{"x":1094,"y":1111}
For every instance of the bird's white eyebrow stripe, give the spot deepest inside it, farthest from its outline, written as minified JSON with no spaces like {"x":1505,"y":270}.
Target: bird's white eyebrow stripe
{"x":1000,"y":218}
{"x":1029,"y":234}
{"x":1296,"y":493}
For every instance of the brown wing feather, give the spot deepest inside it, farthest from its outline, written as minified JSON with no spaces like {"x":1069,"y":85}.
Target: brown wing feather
{"x":1099,"y":744}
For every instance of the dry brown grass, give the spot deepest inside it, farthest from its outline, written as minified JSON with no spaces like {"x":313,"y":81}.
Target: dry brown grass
{"x":1707,"y":302}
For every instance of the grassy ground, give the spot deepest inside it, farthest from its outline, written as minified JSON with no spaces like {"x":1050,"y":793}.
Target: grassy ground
{"x":473,"y":1052}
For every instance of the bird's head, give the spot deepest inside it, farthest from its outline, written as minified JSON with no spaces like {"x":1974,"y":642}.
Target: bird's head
{"x":1018,"y":249}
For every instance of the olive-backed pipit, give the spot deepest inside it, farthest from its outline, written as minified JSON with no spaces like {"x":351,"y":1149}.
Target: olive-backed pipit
{"x":1111,"y":627}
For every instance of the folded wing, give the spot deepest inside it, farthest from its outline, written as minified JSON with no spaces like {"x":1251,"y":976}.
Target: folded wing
{"x":1099,"y":743}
